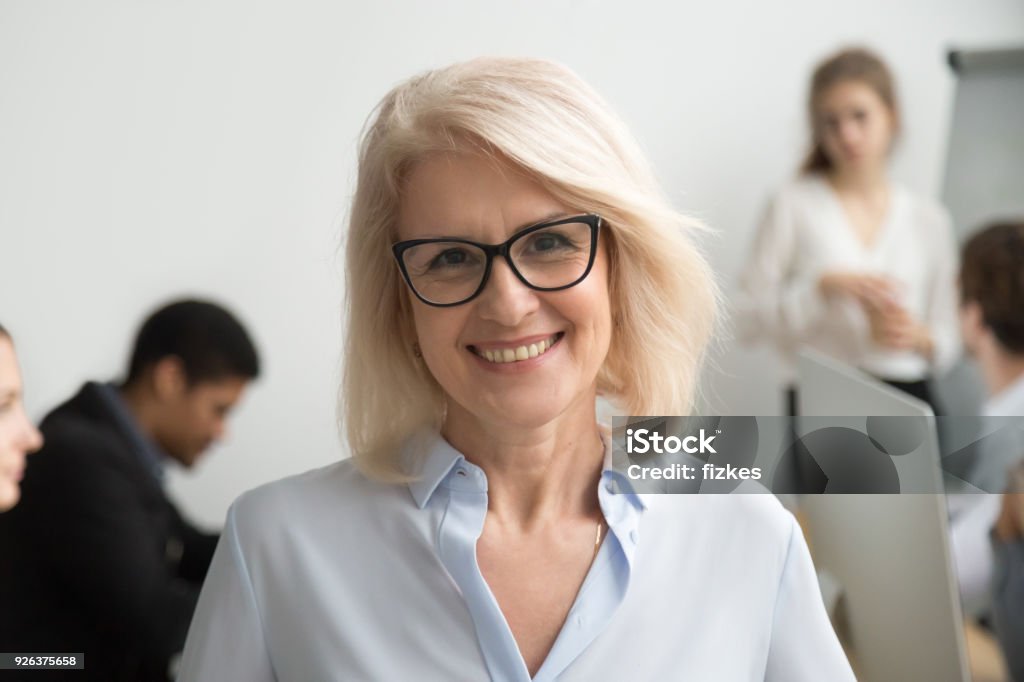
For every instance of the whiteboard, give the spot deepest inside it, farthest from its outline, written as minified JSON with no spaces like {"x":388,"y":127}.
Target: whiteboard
{"x":984,"y":180}
{"x":985,"y":160}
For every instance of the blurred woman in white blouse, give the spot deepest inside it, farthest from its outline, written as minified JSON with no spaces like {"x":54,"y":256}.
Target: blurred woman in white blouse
{"x":846,"y":260}
{"x":509,"y":258}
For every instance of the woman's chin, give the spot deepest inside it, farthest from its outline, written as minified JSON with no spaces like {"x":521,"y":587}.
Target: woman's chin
{"x":9,"y":494}
{"x":522,"y":413}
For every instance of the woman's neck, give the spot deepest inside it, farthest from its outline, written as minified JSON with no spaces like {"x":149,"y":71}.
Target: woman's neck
{"x":868,"y":182}
{"x":535,"y":474}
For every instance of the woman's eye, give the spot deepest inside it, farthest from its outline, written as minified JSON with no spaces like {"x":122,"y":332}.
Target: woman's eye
{"x":549,"y":241}
{"x":450,"y":258}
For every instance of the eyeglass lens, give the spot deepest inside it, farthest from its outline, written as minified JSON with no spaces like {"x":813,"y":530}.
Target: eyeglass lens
{"x":449,"y":271}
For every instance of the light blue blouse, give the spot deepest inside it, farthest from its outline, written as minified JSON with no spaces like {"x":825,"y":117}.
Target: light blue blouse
{"x":331,"y":576}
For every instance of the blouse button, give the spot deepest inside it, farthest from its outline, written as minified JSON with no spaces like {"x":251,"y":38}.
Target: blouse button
{"x":632,"y":535}
{"x":461,"y":472}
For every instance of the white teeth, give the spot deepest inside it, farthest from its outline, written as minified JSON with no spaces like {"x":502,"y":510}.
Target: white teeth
{"x":518,"y":354}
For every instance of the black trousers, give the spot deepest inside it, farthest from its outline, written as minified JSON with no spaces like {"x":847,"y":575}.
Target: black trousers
{"x":921,"y":389}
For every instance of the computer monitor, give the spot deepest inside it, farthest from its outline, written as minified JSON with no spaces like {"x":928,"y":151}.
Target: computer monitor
{"x":889,"y":553}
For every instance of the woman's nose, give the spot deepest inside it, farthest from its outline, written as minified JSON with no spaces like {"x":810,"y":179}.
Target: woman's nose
{"x":32,"y":439}
{"x":849,"y":131}
{"x":505,"y":299}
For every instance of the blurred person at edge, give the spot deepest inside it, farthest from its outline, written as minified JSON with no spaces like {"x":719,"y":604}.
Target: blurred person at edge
{"x":103,"y":563}
{"x":992,"y":324}
{"x":510,"y":257}
{"x":18,"y":436}
{"x":845,"y":260}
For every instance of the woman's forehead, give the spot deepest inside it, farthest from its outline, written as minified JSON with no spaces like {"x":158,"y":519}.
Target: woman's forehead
{"x":471,"y":195}
{"x":852,"y":92}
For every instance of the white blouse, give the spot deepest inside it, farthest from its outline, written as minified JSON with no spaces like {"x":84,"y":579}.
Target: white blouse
{"x":330,"y":576}
{"x":804,"y":234}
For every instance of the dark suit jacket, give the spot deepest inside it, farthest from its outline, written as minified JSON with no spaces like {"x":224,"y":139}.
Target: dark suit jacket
{"x":95,"y":558}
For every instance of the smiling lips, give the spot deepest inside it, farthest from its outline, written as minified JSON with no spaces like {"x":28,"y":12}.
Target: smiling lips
{"x":518,"y":353}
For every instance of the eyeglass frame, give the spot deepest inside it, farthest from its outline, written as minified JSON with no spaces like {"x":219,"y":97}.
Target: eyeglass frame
{"x":593,"y":220}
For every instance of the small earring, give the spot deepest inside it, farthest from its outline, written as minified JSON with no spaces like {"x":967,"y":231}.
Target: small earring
{"x":416,"y":350}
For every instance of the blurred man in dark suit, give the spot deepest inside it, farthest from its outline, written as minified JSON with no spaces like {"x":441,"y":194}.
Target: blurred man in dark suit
{"x":96,"y":558}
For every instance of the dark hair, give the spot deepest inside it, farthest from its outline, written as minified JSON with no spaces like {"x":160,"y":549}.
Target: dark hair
{"x":209,"y":341}
{"x":851,"y":64}
{"x":992,"y":275}
{"x":4,"y":334}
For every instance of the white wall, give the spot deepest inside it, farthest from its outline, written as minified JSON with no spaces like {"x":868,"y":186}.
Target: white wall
{"x":150,"y":149}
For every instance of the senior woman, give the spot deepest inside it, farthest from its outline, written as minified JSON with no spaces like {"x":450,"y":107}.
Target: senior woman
{"x":510,"y":259}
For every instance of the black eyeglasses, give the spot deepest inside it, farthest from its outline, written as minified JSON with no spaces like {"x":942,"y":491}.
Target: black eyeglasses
{"x":547,"y":257}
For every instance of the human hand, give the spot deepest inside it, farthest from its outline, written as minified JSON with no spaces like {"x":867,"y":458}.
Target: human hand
{"x":893,"y":327}
{"x":1008,"y":525}
{"x":870,"y":291}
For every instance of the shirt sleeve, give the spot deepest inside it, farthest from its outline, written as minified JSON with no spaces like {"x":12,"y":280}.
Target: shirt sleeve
{"x":942,"y":298}
{"x":1008,"y":603}
{"x":773,"y":300}
{"x":226,"y":641}
{"x":803,"y":644}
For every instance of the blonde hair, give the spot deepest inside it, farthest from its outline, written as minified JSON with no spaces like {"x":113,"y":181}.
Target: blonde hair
{"x":540,"y":117}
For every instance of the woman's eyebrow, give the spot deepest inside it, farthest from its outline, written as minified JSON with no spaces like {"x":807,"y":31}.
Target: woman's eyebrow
{"x":456,"y":234}
{"x":547,"y":219}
